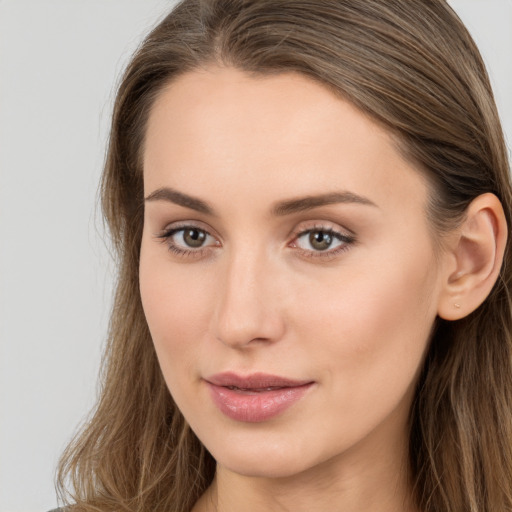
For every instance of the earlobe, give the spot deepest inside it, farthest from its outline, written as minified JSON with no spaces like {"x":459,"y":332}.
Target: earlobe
{"x":476,"y":256}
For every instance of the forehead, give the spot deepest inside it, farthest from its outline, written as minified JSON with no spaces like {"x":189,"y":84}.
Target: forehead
{"x":221,"y":130}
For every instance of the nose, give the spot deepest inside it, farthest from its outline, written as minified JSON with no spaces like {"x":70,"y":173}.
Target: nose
{"x":248,"y":310}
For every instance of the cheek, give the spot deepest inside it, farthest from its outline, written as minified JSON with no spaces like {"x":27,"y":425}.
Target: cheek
{"x":177,"y":312}
{"x":371,"y":324}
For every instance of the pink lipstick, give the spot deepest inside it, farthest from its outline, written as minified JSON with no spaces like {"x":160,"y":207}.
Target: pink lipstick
{"x":254,"y":398}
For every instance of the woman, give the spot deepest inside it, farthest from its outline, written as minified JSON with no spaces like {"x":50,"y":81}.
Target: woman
{"x":310,"y":204}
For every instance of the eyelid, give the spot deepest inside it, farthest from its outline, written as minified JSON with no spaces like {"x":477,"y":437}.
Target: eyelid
{"x":328,"y":226}
{"x":321,"y":224}
{"x":178,"y":225}
{"x":173,"y":230}
{"x":186,"y":223}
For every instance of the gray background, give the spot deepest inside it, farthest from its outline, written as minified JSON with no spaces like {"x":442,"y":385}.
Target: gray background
{"x":59,"y":63}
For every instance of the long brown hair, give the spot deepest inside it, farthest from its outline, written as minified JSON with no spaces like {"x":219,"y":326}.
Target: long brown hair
{"x":412,"y":66}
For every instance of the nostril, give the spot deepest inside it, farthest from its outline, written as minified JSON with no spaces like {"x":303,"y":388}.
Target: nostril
{"x":249,"y":329}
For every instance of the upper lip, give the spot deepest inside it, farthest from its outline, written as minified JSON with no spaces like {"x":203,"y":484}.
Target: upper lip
{"x":254,"y":381}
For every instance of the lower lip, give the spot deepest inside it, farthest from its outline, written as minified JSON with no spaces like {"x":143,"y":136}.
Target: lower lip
{"x":255,"y":406}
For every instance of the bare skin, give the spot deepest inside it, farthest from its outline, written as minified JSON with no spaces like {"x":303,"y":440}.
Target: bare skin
{"x":233,"y":279}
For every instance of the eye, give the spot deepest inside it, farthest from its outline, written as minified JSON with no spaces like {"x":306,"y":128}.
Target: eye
{"x":322,"y":241}
{"x":188,"y":240}
{"x":191,"y":237}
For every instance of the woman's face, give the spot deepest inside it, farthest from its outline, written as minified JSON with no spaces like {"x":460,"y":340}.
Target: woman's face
{"x":287,"y":273}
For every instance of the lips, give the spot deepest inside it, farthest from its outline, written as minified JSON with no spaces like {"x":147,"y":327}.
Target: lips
{"x":255,"y":398}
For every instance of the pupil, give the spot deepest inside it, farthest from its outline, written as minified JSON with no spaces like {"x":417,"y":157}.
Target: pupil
{"x":320,"y":240}
{"x":194,"y":237}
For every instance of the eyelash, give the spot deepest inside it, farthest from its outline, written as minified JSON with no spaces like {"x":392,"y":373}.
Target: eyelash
{"x":166,"y":238}
{"x":347,"y":240}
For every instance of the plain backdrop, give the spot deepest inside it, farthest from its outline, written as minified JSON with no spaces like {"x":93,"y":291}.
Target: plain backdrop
{"x":59,"y":63}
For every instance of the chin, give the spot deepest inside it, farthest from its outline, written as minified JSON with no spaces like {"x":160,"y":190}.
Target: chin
{"x":263,"y":468}
{"x":263,"y":460}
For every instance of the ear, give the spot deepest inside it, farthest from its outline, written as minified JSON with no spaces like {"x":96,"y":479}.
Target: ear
{"x":474,"y":258}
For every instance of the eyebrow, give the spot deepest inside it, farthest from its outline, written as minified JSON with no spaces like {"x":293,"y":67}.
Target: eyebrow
{"x":309,"y":202}
{"x":280,"y":209}
{"x":173,"y":196}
